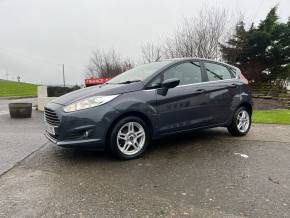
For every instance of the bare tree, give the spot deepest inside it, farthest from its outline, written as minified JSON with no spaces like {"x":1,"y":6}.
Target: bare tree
{"x":107,"y":64}
{"x":199,"y":36}
{"x":127,"y":64}
{"x":150,"y":52}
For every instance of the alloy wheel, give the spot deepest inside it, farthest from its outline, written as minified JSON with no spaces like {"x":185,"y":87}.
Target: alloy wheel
{"x":243,"y":121}
{"x":131,"y":138}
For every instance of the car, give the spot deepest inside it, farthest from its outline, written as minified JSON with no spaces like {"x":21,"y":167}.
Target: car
{"x":151,"y":101}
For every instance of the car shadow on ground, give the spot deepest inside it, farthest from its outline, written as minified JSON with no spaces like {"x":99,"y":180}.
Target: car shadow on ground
{"x":165,"y":145}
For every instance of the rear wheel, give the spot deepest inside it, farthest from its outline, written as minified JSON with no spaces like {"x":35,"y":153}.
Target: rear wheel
{"x":241,"y":122}
{"x":129,"y":138}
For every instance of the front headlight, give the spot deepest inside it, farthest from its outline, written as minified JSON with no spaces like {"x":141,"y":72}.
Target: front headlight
{"x":88,"y":103}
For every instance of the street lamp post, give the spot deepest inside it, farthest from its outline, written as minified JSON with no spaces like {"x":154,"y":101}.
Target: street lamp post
{"x":63,"y":76}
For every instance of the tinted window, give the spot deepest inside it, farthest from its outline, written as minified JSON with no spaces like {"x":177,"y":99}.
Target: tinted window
{"x":217,"y":72}
{"x":187,"y":73}
{"x":233,"y":72}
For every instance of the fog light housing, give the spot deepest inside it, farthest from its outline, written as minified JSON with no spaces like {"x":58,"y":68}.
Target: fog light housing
{"x":86,"y":134}
{"x":81,"y":134}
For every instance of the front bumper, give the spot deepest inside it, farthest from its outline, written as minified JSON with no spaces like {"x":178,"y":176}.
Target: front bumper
{"x":86,"y":128}
{"x":75,"y":143}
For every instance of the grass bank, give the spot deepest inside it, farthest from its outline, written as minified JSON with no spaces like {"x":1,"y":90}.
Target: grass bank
{"x":281,"y":116}
{"x":12,"y":88}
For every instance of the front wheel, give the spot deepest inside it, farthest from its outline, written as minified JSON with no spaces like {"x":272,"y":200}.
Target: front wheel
{"x":241,"y":122}
{"x":129,"y":138}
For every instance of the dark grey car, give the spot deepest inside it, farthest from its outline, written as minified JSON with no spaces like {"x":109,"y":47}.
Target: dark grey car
{"x":150,"y":101}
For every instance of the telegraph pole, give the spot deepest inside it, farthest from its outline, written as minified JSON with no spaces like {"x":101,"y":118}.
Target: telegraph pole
{"x":63,"y":76}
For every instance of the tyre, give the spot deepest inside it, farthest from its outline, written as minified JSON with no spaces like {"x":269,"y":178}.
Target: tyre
{"x":241,"y":122}
{"x":129,"y":138}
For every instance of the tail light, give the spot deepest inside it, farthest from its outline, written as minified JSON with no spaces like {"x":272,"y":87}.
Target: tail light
{"x":244,"y":79}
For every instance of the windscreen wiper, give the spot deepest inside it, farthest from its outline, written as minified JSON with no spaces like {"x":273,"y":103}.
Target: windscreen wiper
{"x":130,"y":81}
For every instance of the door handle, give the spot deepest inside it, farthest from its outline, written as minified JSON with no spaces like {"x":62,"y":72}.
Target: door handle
{"x":233,"y":85}
{"x":199,"y":91}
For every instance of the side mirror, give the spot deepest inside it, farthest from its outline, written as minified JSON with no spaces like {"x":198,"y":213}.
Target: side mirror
{"x":168,"y":84}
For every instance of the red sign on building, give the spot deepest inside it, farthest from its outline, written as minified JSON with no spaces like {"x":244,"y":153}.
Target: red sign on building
{"x":96,"y":81}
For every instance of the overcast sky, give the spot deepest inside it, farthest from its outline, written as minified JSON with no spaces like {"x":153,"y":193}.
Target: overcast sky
{"x":38,"y":36}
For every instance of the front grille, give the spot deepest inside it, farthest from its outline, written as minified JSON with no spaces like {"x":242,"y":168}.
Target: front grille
{"x":51,"y":117}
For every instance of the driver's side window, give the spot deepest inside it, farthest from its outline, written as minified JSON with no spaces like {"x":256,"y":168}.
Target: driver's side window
{"x":187,"y":73}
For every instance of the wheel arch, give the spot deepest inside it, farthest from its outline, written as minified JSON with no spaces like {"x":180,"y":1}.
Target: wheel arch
{"x":127,"y":114}
{"x":247,"y":106}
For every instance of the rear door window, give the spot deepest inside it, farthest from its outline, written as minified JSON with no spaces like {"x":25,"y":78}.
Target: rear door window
{"x":217,"y":72}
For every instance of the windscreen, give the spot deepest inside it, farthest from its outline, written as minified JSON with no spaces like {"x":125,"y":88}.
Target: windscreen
{"x":139,"y":73}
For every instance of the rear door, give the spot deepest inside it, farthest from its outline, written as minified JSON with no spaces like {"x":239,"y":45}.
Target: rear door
{"x":223,"y":90}
{"x":185,"y":106}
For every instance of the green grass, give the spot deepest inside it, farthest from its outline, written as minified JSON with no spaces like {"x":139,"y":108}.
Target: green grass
{"x":12,"y":88}
{"x":281,"y":116}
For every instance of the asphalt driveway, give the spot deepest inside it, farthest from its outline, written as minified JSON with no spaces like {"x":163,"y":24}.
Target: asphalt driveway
{"x":201,"y":174}
{"x":19,"y":138}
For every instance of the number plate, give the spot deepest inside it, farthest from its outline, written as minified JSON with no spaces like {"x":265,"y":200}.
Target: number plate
{"x":50,"y":129}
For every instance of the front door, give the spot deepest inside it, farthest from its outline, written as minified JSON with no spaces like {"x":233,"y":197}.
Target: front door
{"x":185,"y":106}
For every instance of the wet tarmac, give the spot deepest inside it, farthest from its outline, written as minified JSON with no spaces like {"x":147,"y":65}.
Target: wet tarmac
{"x":201,"y":174}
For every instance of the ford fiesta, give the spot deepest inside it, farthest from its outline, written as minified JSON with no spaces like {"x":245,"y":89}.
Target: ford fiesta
{"x":150,"y":101}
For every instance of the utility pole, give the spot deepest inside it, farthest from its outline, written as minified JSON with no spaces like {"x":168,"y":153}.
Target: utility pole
{"x":63,"y":77}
